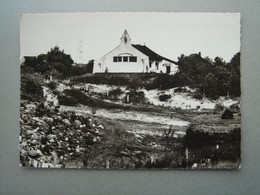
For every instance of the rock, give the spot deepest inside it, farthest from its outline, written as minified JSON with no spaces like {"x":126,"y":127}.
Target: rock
{"x":30,"y":107}
{"x":38,"y":120}
{"x":227,"y":114}
{"x":77,"y":122}
{"x":48,"y":119}
{"x":34,"y":142}
{"x":66,"y":121}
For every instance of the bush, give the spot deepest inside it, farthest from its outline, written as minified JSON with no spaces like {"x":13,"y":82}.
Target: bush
{"x":162,"y":81}
{"x":227,"y":114}
{"x":164,"y":97}
{"x":67,"y":101}
{"x":77,"y":96}
{"x":31,"y":88}
{"x":108,"y":79}
{"x":135,"y":84}
{"x":180,"y":90}
{"x":197,"y":95}
{"x":71,"y":97}
{"x":52,"y":85}
{"x":203,"y":145}
{"x":219,"y":107}
{"x":114,"y":93}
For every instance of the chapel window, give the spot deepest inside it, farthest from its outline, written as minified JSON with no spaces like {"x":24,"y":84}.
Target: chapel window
{"x":133,"y":59}
{"x":125,"y":58}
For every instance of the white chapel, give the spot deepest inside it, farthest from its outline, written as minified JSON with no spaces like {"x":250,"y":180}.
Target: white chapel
{"x":132,"y":58}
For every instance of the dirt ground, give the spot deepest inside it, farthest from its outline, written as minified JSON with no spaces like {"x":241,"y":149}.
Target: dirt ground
{"x":135,"y":139}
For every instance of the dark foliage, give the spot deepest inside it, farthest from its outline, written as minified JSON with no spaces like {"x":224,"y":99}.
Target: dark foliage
{"x":81,"y":69}
{"x":72,"y":97}
{"x":227,"y":114}
{"x":197,"y":95}
{"x":136,"y":97}
{"x":103,"y":79}
{"x":203,"y":144}
{"x":52,"y":85}
{"x":114,"y":93}
{"x":180,"y":90}
{"x":164,"y":97}
{"x":210,"y":78}
{"x":31,"y":86}
{"x":162,"y":81}
{"x":136,"y":84}
{"x":55,"y":62}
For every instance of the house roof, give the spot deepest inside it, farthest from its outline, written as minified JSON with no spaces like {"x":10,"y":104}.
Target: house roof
{"x":150,"y":53}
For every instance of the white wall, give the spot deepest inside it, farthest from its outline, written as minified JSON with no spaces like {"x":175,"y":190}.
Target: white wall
{"x":122,"y":67}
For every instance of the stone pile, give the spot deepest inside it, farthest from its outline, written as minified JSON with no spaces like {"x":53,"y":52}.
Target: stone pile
{"x":49,"y":138}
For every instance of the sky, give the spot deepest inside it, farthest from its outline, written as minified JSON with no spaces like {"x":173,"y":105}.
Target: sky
{"x":87,"y":36}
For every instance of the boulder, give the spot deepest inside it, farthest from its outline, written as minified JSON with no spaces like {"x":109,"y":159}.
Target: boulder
{"x":66,"y":121}
{"x":77,"y":122}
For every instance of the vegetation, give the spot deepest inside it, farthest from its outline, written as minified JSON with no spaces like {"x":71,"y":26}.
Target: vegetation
{"x":81,"y":69}
{"x":71,"y":97}
{"x":31,"y":86}
{"x":210,"y":78}
{"x":164,"y":97}
{"x":136,"y":97}
{"x":115,"y":93}
{"x":71,"y":136}
{"x":55,"y":63}
{"x":215,"y":146}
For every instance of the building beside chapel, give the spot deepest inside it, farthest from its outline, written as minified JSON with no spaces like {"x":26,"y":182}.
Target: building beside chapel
{"x":133,"y":58}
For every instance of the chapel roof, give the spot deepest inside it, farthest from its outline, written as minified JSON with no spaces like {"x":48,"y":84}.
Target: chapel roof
{"x":150,"y":53}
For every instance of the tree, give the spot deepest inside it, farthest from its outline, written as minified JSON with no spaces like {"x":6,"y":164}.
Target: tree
{"x":234,"y":66}
{"x":214,"y":78}
{"x":59,"y":61}
{"x":55,"y":62}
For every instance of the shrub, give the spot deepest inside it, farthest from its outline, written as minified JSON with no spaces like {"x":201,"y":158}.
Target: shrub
{"x":219,"y":107}
{"x":162,"y":81}
{"x":78,"y":97}
{"x":164,"y":97}
{"x":203,"y":145}
{"x":52,"y":85}
{"x":180,"y":90}
{"x":114,"y":93}
{"x":67,"y":101}
{"x":197,"y":95}
{"x":135,"y":84}
{"x":31,"y":88}
{"x":227,"y":114}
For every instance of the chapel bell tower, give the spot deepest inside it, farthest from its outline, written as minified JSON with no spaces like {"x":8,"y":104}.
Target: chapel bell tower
{"x":125,"y":39}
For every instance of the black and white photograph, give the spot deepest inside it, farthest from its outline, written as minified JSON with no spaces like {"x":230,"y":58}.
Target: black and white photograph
{"x":130,"y":90}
